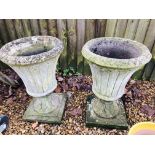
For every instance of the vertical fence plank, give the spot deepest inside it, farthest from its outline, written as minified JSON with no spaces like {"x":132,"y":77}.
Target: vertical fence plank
{"x":150,"y":35}
{"x":34,"y":26}
{"x":10,"y":29}
{"x":43,"y":27}
{"x":72,"y":47}
{"x":1,"y":44}
{"x":100,"y":27}
{"x":80,"y":43}
{"x":62,"y":35}
{"x":110,"y":27}
{"x":141,"y":30}
{"x":120,"y":27}
{"x":3,"y":38}
{"x":153,"y":51}
{"x":18,"y":28}
{"x":131,"y":28}
{"x":140,"y":36}
{"x":90,"y":29}
{"x":3,"y":32}
{"x":90,"y":34}
{"x":1,"y":63}
{"x":26,"y":27}
{"x":149,"y":41}
{"x":52,"y":27}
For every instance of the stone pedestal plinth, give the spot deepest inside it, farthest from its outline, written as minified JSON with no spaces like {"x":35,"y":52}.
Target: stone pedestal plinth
{"x":108,"y":115}
{"x":47,"y":109}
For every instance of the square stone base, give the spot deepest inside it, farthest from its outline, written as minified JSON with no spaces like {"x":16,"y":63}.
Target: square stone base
{"x":50,"y":112}
{"x":118,"y":122}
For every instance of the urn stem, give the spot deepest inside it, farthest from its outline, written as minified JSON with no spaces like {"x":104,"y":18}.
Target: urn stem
{"x":105,"y":109}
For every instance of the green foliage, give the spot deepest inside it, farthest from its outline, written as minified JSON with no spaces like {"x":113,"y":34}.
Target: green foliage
{"x":67,"y":71}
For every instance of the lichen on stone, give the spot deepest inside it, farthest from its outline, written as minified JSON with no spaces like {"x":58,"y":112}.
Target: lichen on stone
{"x":30,"y":50}
{"x":106,"y":51}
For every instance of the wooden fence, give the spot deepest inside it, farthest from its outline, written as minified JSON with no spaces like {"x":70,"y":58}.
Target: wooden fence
{"x":75,"y":32}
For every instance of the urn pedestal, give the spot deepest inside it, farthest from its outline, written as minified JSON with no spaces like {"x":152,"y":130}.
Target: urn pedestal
{"x":34,"y":59}
{"x":112,"y":61}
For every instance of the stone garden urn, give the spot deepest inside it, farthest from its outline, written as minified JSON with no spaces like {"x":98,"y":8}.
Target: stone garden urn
{"x":112,"y":61}
{"x":34,"y":59}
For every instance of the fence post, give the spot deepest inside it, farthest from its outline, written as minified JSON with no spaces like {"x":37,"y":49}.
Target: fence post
{"x":10,"y":28}
{"x":62,"y":35}
{"x":80,"y":43}
{"x":90,"y":34}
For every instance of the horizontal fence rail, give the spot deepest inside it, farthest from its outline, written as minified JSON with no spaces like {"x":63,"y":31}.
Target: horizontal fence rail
{"x":75,"y":32}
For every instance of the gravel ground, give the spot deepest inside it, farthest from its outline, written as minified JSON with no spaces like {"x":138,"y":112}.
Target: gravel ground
{"x":138,"y":100}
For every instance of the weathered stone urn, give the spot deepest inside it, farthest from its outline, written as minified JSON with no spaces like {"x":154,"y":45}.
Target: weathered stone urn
{"x":112,"y":61}
{"x":34,"y":59}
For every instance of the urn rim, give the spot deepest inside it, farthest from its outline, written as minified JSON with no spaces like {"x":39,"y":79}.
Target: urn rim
{"x":143,"y":58}
{"x":9,"y":52}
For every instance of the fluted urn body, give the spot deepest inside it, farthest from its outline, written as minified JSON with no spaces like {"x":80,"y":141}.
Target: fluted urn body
{"x":34,"y":59}
{"x":112,"y":61}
